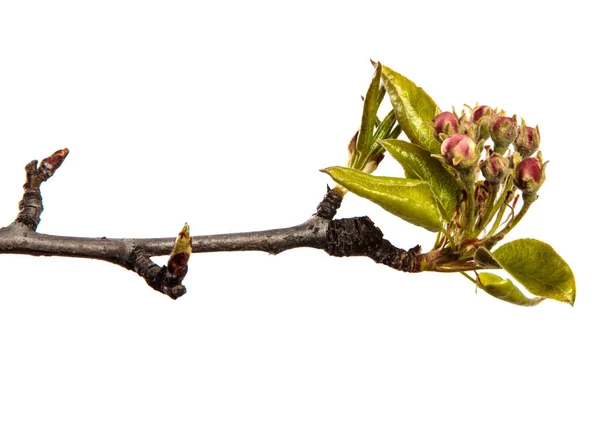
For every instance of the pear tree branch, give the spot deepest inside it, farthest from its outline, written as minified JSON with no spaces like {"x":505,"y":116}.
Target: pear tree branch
{"x":345,"y":237}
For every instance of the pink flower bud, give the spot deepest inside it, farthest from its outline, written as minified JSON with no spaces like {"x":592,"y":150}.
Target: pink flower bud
{"x":483,"y":116}
{"x":529,"y":175}
{"x":482,"y":112}
{"x":527,"y":141}
{"x":460,"y":151}
{"x":495,"y":168}
{"x":446,"y":123}
{"x":503,"y":132}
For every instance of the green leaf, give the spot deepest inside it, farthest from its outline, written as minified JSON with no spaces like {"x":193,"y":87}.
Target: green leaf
{"x":505,"y":290}
{"x":484,"y":258}
{"x":411,"y":200}
{"x":364,"y":144}
{"x":418,"y":164}
{"x":414,"y":108}
{"x":538,"y":268}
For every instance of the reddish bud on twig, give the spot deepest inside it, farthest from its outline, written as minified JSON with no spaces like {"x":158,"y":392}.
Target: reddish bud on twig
{"x":49,"y":165}
{"x":177,"y":264}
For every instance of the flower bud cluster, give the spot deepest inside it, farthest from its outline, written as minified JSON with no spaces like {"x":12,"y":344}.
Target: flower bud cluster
{"x":484,"y":123}
{"x":463,"y":137}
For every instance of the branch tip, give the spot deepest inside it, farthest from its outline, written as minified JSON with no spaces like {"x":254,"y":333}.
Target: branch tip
{"x":177,"y":264}
{"x":49,"y":165}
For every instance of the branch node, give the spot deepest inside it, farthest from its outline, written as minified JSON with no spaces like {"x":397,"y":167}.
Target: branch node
{"x":328,"y":207}
{"x":157,"y":277}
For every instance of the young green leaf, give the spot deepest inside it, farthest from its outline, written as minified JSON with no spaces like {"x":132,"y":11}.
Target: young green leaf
{"x":418,"y":164}
{"x":414,"y":108}
{"x":366,"y":153}
{"x":538,"y":268}
{"x":370,"y":106}
{"x":505,"y":290}
{"x":384,"y":129}
{"x":411,"y":200}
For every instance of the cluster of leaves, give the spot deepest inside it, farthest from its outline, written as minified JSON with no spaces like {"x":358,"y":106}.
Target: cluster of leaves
{"x":444,"y":197}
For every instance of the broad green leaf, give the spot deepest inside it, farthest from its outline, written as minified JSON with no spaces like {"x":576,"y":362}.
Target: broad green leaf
{"x":418,"y":164}
{"x":364,"y":144}
{"x":505,"y":290}
{"x":484,"y":258}
{"x":414,"y":108}
{"x":411,"y":200}
{"x":538,"y":268}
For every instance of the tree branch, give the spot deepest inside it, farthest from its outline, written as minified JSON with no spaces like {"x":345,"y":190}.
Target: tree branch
{"x":341,"y":238}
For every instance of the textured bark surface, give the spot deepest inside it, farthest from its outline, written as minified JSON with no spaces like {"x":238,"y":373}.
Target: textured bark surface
{"x":360,"y":237}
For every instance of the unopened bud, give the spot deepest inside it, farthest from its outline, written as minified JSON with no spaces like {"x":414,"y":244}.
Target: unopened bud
{"x":445,"y":123}
{"x":495,"y":168}
{"x":503,"y":132}
{"x":49,"y":165}
{"x":483,"y":116}
{"x":529,"y":175}
{"x":460,"y":151}
{"x":177,"y":264}
{"x":528,"y":140}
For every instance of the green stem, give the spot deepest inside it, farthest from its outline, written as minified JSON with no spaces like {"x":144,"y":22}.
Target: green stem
{"x":500,"y":207}
{"x":438,"y":240}
{"x":528,"y":200}
{"x":489,"y":208}
{"x":449,"y":239}
{"x":469,"y":180}
{"x":470,"y":278}
{"x":458,"y":266}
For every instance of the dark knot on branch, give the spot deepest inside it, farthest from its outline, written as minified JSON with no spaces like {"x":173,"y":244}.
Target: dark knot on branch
{"x":158,"y":278}
{"x":330,"y":204}
{"x":359,"y":236}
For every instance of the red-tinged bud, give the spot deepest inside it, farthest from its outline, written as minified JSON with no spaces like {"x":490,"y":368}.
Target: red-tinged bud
{"x":460,"y":151}
{"x":49,"y":165}
{"x":504,"y":132}
{"x":528,"y":140}
{"x":482,"y":112}
{"x":177,"y":264}
{"x":495,"y":168}
{"x":483,"y":116}
{"x":529,"y":175}
{"x":445,"y":123}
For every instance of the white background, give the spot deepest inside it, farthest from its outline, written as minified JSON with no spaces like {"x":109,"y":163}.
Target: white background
{"x":221,"y":114}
